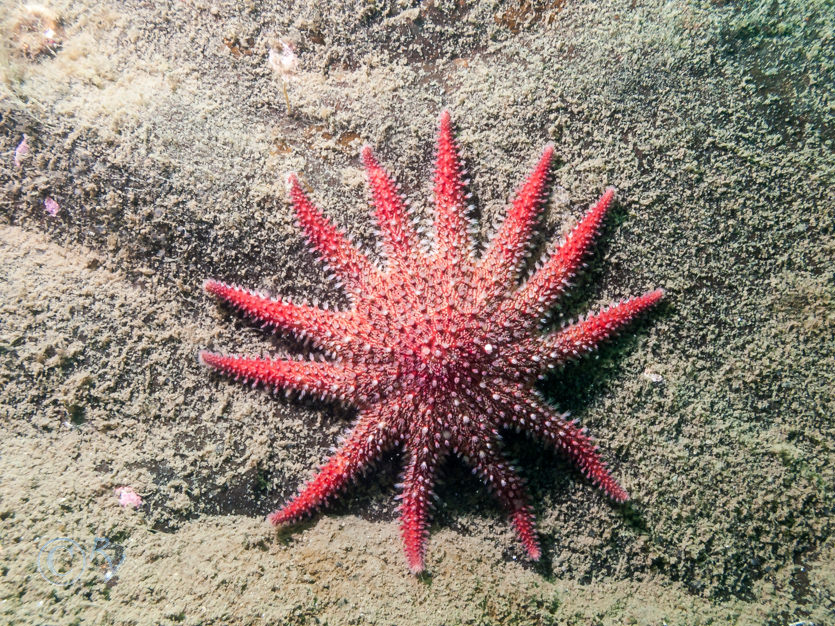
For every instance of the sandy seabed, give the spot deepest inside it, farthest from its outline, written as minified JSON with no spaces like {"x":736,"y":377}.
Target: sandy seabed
{"x":157,"y":136}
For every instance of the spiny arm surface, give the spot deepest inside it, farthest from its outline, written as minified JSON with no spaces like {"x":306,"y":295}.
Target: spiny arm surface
{"x":302,"y":320}
{"x":351,"y":266}
{"x":415,"y":501}
{"x":326,"y":380}
{"x":585,"y":335}
{"x":451,"y":232}
{"x":509,"y":489}
{"x":364,"y":444}
{"x":498,"y":268}
{"x":542,"y":289}
{"x":570,"y":439}
{"x":398,"y":236}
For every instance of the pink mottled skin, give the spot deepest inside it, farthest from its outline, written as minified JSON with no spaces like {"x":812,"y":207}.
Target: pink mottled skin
{"x":441,"y":349}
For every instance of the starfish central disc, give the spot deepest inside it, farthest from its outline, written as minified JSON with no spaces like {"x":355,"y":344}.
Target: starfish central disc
{"x":440,"y":351}
{"x":439,"y":356}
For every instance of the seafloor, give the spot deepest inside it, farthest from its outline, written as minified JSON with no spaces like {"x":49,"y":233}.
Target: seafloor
{"x":158,"y":134}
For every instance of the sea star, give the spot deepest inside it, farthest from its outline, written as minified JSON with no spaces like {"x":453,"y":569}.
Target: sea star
{"x":441,"y":349}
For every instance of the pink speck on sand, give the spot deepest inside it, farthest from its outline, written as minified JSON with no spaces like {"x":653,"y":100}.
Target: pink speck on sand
{"x":128,"y":497}
{"x":21,"y":151}
{"x":51,"y":206}
{"x":284,"y":63}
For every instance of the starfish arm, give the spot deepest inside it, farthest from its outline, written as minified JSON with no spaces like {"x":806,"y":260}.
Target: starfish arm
{"x":453,"y":240}
{"x":500,"y":264}
{"x":365,"y":443}
{"x":399,"y":238}
{"x":327,"y":380}
{"x":538,"y":294}
{"x":351,"y":266}
{"x":567,"y":436}
{"x":507,"y":486}
{"x":321,"y":327}
{"x":415,"y":500}
{"x":585,"y":335}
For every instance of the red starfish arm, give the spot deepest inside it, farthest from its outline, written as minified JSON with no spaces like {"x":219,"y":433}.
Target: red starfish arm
{"x":418,"y":481}
{"x":500,"y":263}
{"x":565,"y":435}
{"x":322,"y":327}
{"x":451,"y":234}
{"x":351,"y":266}
{"x":585,"y":335}
{"x":327,"y":380}
{"x":507,"y":486}
{"x":572,"y":439}
{"x":368,"y":439}
{"x":546,"y":284}
{"x":399,"y":238}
